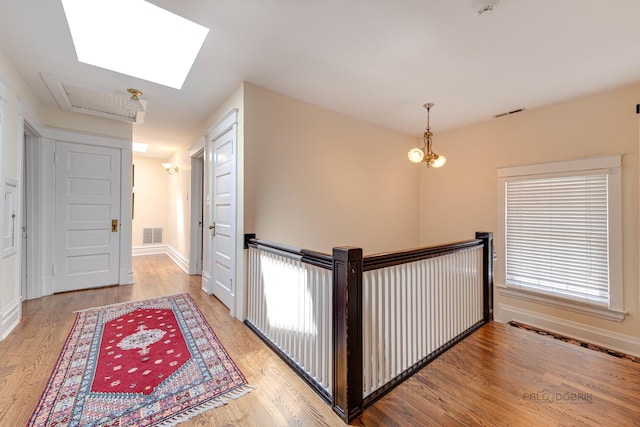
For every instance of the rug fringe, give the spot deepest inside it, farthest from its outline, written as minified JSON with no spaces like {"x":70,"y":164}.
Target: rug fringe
{"x":204,"y":407}
{"x":127,"y":302}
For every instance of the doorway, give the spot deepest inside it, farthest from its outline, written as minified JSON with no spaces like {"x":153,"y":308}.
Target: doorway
{"x":220,"y":259}
{"x":30,"y":230}
{"x":87,"y":216}
{"x":197,"y":213}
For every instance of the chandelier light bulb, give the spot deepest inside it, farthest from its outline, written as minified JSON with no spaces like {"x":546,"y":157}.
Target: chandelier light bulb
{"x":439,"y":162}
{"x":416,"y":155}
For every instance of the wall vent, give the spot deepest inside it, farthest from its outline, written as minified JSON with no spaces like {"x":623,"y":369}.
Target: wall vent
{"x":509,"y":113}
{"x":151,"y":236}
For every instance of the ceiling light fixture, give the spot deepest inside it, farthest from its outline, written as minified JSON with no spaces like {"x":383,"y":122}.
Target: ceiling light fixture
{"x":134,"y":102}
{"x":426,"y":154}
{"x":138,"y":147}
{"x":170,"y":168}
{"x":482,"y":7}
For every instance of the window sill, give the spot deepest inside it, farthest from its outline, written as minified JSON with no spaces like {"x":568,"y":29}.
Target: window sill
{"x":552,"y":301}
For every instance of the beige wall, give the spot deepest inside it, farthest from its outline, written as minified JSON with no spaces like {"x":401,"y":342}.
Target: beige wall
{"x":461,"y":198}
{"x":312,"y":178}
{"x":179,"y":188}
{"x":20,"y":98}
{"x":318,"y":179}
{"x":18,"y":92}
{"x":151,"y":202}
{"x":179,"y":204}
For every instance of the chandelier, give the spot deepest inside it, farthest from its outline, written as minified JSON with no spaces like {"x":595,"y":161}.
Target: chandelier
{"x":426,"y":154}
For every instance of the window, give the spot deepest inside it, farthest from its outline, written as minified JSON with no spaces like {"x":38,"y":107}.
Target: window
{"x":561,"y":235}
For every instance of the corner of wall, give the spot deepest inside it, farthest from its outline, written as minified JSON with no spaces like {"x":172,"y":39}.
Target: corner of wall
{"x":10,"y":317}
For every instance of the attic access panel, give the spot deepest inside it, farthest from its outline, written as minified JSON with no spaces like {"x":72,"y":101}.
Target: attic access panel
{"x":87,"y":99}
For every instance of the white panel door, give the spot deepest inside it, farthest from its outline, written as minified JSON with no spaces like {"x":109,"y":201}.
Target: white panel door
{"x":223,"y":230}
{"x":87,"y":204}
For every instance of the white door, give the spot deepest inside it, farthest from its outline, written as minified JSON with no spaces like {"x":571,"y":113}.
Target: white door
{"x":223,"y":214}
{"x":87,"y":216}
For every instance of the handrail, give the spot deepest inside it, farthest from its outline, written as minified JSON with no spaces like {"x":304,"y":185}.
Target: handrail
{"x":388,"y":259}
{"x":370,"y":262}
{"x":346,"y":266}
{"x":319,"y":259}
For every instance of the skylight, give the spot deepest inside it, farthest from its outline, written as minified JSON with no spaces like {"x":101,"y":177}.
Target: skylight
{"x":138,"y":147}
{"x":134,"y":37}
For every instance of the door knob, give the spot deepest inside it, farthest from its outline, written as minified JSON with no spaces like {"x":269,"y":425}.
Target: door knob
{"x":114,"y":225}
{"x":213,"y":228}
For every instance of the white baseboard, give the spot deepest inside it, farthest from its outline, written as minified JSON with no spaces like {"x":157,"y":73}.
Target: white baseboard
{"x":47,"y":286}
{"x":148,"y":250}
{"x":10,"y":317}
{"x":126,"y":277}
{"x":206,"y":282}
{"x":177,"y":257}
{"x":590,"y":334}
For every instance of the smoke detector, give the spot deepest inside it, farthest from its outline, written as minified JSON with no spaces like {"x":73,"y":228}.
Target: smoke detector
{"x":482,"y":7}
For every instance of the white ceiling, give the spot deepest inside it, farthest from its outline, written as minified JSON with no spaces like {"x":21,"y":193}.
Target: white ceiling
{"x":376,"y":60}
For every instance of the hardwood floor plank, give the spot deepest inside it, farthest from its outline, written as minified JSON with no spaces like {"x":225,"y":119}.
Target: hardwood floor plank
{"x":30,"y":352}
{"x":499,"y":376}
{"x":494,"y":377}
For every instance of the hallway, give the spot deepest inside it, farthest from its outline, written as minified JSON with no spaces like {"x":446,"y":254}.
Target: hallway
{"x":29,"y":353}
{"x":498,"y":376}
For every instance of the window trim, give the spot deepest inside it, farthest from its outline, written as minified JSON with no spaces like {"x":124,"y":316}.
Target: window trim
{"x":613,"y":166}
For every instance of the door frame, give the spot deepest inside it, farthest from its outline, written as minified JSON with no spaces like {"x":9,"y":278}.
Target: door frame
{"x":32,"y":129}
{"x":197,"y":214}
{"x":43,"y":284}
{"x":227,"y":122}
{"x":30,"y":261}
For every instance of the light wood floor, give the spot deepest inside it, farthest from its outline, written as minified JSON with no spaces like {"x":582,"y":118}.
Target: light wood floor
{"x":489,"y":379}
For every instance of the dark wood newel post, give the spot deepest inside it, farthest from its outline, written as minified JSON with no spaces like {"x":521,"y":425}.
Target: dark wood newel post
{"x":487,"y":277}
{"x":347,"y":332}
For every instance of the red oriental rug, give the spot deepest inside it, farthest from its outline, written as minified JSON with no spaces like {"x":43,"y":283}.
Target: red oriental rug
{"x":141,"y":363}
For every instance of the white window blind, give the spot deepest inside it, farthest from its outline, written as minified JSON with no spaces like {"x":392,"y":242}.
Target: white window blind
{"x":556,"y":235}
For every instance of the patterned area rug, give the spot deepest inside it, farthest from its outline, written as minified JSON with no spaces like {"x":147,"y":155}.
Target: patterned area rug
{"x":141,"y":363}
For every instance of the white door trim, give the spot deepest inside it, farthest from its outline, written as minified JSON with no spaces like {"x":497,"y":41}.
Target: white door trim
{"x":197,"y":219}
{"x":32,"y":226}
{"x":227,"y":122}
{"x":126,"y":215}
{"x":32,"y":128}
{"x":3,"y":124}
{"x":64,"y":135}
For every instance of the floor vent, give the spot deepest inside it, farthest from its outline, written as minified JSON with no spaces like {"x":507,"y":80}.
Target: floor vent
{"x":151,"y":236}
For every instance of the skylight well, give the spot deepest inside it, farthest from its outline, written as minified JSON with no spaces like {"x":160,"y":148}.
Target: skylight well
{"x":134,"y":37}
{"x":139,"y":147}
